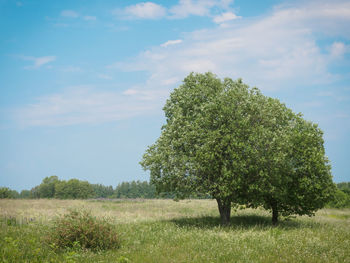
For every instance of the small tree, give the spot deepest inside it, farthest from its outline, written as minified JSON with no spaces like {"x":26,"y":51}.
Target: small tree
{"x":6,"y":192}
{"x":25,"y":194}
{"x":227,"y":140}
{"x":73,"y":189}
{"x":47,"y":187}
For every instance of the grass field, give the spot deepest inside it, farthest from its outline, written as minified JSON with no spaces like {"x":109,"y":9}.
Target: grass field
{"x":168,"y":231}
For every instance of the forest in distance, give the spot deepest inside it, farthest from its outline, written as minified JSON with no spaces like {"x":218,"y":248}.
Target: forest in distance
{"x":53,"y":187}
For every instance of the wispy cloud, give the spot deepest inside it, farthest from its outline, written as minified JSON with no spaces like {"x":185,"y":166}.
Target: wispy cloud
{"x":187,"y":8}
{"x":69,"y":13}
{"x":74,"y":14}
{"x":90,"y":18}
{"x":183,"y":9}
{"x":333,"y":95}
{"x":38,"y":61}
{"x":85,"y":105}
{"x":104,"y":76}
{"x":338,"y":49}
{"x":71,"y":69}
{"x":225,"y":17}
{"x":145,"y":10}
{"x":171,"y":42}
{"x":277,"y":51}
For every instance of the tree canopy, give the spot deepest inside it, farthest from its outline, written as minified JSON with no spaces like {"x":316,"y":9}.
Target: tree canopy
{"x":228,"y":140}
{"x":6,"y":192}
{"x":53,"y":187}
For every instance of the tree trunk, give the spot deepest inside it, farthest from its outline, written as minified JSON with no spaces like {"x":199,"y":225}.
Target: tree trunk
{"x":274,"y":213}
{"x":225,"y":210}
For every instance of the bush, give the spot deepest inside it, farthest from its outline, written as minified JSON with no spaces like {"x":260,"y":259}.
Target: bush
{"x":6,"y":192}
{"x":79,"y":229}
{"x":340,"y":200}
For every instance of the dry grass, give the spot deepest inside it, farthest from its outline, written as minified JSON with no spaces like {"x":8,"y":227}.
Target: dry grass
{"x":122,"y":211}
{"x":185,"y":231}
{"x":140,"y":210}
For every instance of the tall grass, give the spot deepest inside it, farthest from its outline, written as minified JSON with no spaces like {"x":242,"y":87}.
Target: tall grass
{"x":185,"y":231}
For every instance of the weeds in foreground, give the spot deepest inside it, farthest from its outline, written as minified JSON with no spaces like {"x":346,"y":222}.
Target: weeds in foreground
{"x":79,"y":229}
{"x":167,"y":231}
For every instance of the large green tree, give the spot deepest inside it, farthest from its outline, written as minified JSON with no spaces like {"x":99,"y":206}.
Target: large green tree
{"x":227,"y":140}
{"x":292,"y":174}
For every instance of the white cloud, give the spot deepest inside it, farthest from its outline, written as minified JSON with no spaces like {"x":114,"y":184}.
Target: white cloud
{"x":61,"y":25}
{"x":171,"y":42}
{"x":74,"y":14}
{"x":313,"y":104}
{"x":69,"y":13}
{"x":225,"y":4}
{"x":184,"y":8}
{"x":84,"y":105}
{"x":104,"y":76}
{"x":333,"y":95}
{"x":90,"y":18}
{"x":130,"y":92}
{"x":152,"y":96}
{"x":72,"y":69}
{"x":38,"y":61}
{"x":170,"y":81}
{"x":337,"y":49}
{"x":189,"y":7}
{"x":277,"y":51}
{"x":144,"y":10}
{"x":330,"y":18}
{"x":225,"y":17}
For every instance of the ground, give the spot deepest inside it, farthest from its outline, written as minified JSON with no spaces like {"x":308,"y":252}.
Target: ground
{"x":169,"y":231}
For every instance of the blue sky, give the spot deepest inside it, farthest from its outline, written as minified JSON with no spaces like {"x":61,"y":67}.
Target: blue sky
{"x":83,"y":82}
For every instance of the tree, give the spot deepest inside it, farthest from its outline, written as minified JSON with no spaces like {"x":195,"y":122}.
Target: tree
{"x":34,"y":192}
{"x":6,"y":192}
{"x":47,"y":187}
{"x":73,"y":189}
{"x":101,"y":191}
{"x":340,"y":200}
{"x":293,"y":174}
{"x":25,"y":194}
{"x":135,"y":189}
{"x":344,"y":186}
{"x":227,"y":140}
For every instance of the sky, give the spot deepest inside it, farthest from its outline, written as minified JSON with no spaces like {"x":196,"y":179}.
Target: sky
{"x":83,"y":83}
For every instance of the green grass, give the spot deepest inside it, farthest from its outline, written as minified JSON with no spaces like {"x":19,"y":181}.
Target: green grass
{"x":168,"y":231}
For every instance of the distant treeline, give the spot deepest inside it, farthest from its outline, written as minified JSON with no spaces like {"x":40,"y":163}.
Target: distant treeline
{"x":53,"y":187}
{"x":341,"y":198}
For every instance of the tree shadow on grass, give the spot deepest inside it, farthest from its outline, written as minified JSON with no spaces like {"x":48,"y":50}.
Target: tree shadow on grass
{"x":237,"y":222}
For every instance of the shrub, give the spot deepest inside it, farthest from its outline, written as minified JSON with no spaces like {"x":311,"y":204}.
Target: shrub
{"x":6,"y":192}
{"x":79,"y":229}
{"x":340,"y":200}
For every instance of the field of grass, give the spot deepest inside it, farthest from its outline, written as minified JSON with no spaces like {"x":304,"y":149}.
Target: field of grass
{"x":168,"y":231}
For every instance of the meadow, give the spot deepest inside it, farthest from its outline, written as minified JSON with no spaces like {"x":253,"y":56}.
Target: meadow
{"x":169,"y":231}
